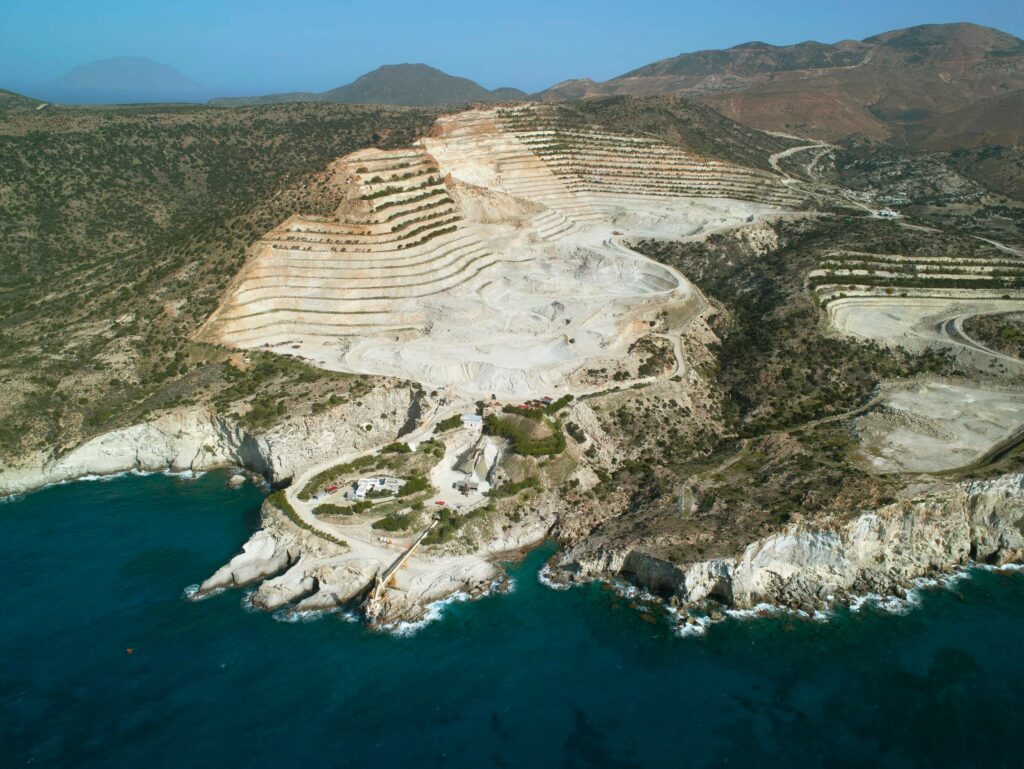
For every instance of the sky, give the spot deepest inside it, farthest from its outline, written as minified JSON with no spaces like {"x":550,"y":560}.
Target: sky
{"x":246,"y":47}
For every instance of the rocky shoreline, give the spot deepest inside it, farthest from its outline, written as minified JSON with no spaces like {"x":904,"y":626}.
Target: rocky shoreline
{"x":807,"y":567}
{"x":198,"y":439}
{"x":813,"y":567}
{"x":296,"y":571}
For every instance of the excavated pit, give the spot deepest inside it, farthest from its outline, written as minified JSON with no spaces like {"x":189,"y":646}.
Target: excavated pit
{"x":490,"y":257}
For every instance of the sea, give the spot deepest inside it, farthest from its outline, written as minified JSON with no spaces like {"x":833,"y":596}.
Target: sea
{"x":105,"y":663}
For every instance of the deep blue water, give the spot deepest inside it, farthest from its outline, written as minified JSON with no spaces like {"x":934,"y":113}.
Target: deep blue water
{"x":536,"y":678}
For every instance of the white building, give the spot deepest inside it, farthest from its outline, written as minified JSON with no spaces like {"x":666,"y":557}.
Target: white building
{"x":477,"y":465}
{"x":888,"y":213}
{"x":378,"y":485}
{"x":473,"y":422}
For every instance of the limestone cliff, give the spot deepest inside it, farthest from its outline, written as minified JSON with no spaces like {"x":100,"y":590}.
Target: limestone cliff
{"x":197,"y":439}
{"x":808,"y":564}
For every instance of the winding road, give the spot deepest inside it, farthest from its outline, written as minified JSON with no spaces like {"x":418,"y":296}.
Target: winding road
{"x":952,"y":330}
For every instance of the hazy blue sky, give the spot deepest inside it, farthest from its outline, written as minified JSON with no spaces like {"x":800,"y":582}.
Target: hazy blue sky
{"x":259,"y":46}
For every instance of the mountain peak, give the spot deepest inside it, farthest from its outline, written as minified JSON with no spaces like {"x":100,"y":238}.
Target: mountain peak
{"x":414,"y":85}
{"x":409,"y":85}
{"x":952,"y":40}
{"x":126,"y":73}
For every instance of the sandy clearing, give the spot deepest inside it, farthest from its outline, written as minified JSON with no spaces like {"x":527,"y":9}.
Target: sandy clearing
{"x":919,"y":322}
{"x":936,"y":426}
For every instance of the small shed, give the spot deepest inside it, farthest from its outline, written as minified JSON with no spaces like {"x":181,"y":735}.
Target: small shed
{"x":472,"y":421}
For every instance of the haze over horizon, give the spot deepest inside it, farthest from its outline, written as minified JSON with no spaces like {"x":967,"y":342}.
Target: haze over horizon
{"x":236,"y":48}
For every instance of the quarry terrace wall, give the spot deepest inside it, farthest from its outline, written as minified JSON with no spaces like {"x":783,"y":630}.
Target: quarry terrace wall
{"x":409,"y":235}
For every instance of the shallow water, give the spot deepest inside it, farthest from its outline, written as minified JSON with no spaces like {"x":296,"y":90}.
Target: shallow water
{"x":535,"y":678}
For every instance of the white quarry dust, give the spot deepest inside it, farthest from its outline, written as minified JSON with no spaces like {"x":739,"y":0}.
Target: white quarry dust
{"x":526,"y":278}
{"x":485,"y":259}
{"x":916,"y":321}
{"x":936,"y":426}
{"x":530,"y":324}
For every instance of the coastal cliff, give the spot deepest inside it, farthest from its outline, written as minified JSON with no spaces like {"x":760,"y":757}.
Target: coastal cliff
{"x":292,"y":568}
{"x":808,"y":566}
{"x":198,"y":439}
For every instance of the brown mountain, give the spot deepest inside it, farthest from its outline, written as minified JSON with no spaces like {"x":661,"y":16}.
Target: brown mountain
{"x":896,"y":85}
{"x":997,"y":120}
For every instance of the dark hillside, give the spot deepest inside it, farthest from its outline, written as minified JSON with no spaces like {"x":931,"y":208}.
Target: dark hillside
{"x":119,"y":229}
{"x":15,"y":102}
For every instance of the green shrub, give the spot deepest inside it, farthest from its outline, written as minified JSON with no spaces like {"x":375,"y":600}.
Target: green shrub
{"x":575,"y":431}
{"x":450,"y":523}
{"x":518,"y":436}
{"x":534,"y":414}
{"x":280,"y":500}
{"x":511,"y":489}
{"x":433,"y":446}
{"x":448,"y":424}
{"x":414,"y":485}
{"x":558,"y":405}
{"x":396,"y":522}
{"x":332,"y":509}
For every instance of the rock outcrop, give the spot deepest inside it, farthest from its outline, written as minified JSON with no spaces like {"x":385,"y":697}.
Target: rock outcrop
{"x":277,"y":546}
{"x":262,"y":556}
{"x":879,"y":551}
{"x":186,"y":440}
{"x":196,"y":439}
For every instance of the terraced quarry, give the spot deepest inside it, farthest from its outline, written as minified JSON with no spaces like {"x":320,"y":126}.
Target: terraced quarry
{"x":824,"y":360}
{"x":490,"y":256}
{"x":917,"y":301}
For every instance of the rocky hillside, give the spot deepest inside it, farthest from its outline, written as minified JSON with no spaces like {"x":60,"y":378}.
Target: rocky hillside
{"x":682,"y":122}
{"x":15,"y":102}
{"x":895,"y":85}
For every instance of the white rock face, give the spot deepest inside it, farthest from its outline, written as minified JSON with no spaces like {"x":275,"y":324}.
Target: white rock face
{"x":339,"y":583}
{"x":878,"y":551}
{"x":288,"y":587}
{"x":519,"y":275}
{"x":261,"y":556}
{"x":185,"y":440}
{"x":196,"y":439}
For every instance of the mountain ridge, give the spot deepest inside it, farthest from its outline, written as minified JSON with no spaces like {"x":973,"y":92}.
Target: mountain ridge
{"x":407,"y":85}
{"x":895,"y":85}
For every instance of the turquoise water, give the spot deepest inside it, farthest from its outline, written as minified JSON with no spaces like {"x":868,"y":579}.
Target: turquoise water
{"x":536,"y":678}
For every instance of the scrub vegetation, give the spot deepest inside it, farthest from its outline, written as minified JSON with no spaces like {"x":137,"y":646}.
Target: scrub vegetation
{"x":120,"y":229}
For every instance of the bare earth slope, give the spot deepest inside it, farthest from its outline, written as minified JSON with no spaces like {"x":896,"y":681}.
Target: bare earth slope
{"x":894,"y":85}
